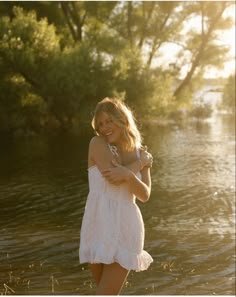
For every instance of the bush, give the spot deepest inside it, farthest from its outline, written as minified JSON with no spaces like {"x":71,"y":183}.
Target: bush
{"x":63,"y":82}
{"x":201,"y":111}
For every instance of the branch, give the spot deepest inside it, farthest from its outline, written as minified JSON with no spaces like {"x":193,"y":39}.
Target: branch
{"x":202,"y":18}
{"x":197,"y":59}
{"x":156,"y":46}
{"x":178,"y":43}
{"x":78,"y":20}
{"x":83,"y":18}
{"x":129,"y":22}
{"x":146,"y":21}
{"x":64,"y":7}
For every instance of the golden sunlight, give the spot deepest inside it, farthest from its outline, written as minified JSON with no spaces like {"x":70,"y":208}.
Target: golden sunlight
{"x":169,"y":51}
{"x":228,"y":38}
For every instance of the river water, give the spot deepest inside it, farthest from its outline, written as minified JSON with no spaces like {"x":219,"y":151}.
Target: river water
{"x":189,"y":219}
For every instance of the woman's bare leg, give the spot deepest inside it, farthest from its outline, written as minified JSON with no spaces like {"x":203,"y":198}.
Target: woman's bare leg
{"x":112,"y":279}
{"x":96,"y":270}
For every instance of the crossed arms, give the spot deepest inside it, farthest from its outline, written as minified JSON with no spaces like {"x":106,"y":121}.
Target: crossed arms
{"x":115,"y":173}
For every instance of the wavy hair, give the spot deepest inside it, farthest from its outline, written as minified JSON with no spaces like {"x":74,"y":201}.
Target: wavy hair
{"x":122,"y":117}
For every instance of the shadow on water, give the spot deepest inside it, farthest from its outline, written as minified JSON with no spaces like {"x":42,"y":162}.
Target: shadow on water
{"x":189,"y":219}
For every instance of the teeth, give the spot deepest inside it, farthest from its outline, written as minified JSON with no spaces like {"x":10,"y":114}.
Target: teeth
{"x":107,"y":134}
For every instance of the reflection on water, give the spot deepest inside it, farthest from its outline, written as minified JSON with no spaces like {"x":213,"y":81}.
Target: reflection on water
{"x":190,"y":218}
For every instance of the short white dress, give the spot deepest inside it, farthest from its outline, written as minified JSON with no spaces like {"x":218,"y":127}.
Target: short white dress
{"x":112,"y":227}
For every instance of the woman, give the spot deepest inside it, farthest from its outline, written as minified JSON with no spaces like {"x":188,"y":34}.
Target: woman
{"x":112,"y":232}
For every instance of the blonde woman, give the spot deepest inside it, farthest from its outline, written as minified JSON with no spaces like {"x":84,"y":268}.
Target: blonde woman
{"x":112,"y":232}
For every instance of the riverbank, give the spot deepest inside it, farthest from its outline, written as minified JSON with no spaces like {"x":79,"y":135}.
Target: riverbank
{"x":84,"y":129}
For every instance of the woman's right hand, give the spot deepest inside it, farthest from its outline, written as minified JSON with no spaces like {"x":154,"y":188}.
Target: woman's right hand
{"x":145,"y":157}
{"x":116,"y":175}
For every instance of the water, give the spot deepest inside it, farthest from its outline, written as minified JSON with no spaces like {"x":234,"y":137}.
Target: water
{"x":190,"y":218}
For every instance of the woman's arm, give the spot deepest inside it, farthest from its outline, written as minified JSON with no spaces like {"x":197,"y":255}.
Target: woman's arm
{"x":145,"y":160}
{"x":101,"y":156}
{"x":99,"y":153}
{"x":140,"y":188}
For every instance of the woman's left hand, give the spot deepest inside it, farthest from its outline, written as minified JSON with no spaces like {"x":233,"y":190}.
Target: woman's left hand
{"x":116,"y":175}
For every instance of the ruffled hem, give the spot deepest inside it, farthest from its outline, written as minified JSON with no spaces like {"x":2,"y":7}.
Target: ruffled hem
{"x":125,"y":258}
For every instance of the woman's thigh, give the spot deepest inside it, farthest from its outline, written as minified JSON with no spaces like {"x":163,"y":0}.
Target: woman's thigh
{"x":96,"y":270}
{"x":112,"y":279}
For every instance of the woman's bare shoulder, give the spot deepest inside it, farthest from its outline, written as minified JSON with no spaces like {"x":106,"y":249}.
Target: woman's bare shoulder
{"x":97,"y":141}
{"x":99,"y":153}
{"x":98,"y":145}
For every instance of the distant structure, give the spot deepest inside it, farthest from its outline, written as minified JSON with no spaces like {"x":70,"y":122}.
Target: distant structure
{"x":209,"y":95}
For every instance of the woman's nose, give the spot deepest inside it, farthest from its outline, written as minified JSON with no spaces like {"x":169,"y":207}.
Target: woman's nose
{"x":107,"y":126}
{"x":104,"y":128}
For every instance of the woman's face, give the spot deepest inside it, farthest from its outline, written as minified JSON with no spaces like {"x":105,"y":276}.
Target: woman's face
{"x":108,"y":129}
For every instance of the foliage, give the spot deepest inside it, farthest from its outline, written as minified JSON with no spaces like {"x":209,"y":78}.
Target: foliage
{"x":229,"y":94}
{"x":162,"y":102}
{"x":57,"y":59}
{"x":133,"y":79}
{"x":202,"y":111}
{"x":201,"y":47}
{"x":64,"y":79}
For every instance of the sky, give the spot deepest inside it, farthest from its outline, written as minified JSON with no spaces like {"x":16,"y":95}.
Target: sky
{"x":227,"y":37}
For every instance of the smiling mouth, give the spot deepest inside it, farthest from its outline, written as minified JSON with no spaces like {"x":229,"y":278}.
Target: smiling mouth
{"x":108,"y":134}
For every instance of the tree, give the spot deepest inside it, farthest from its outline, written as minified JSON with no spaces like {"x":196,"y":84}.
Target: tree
{"x":59,"y":58}
{"x":146,"y":25}
{"x":64,"y":79}
{"x":201,"y":46}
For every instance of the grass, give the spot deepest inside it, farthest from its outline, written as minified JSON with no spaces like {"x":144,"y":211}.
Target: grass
{"x":7,"y":289}
{"x":17,"y":284}
{"x":10,"y":284}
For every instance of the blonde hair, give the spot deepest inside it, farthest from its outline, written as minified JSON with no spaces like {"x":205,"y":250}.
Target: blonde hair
{"x":122,"y":117}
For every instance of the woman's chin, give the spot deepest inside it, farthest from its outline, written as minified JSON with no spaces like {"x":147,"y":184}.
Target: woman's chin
{"x":110,"y":140}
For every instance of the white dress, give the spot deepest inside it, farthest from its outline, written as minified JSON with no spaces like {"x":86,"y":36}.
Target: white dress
{"x":112,"y":227}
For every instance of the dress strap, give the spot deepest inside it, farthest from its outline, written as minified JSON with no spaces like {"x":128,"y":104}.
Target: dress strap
{"x":113,"y":150}
{"x":137,"y":152}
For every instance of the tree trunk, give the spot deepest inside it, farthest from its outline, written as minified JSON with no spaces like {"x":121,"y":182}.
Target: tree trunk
{"x":68,"y":20}
{"x":74,"y":20}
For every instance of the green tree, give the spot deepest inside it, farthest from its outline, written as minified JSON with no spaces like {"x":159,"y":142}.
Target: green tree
{"x":65,"y":79}
{"x":59,"y":58}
